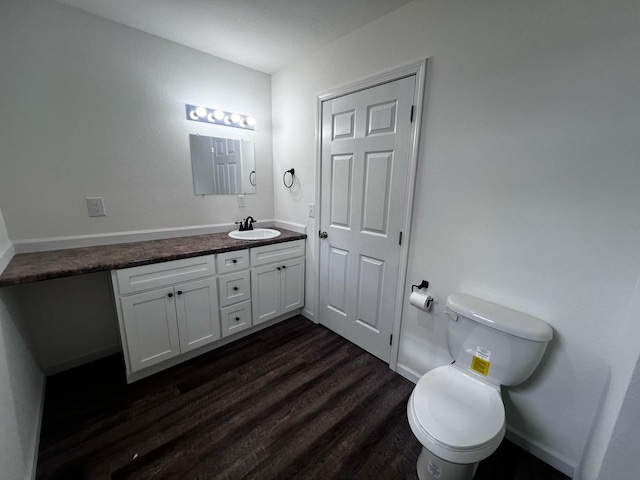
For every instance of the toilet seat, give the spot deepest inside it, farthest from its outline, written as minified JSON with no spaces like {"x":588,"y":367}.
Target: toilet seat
{"x":456,"y":416}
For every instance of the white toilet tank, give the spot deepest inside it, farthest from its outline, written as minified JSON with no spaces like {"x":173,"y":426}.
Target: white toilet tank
{"x":495,"y":342}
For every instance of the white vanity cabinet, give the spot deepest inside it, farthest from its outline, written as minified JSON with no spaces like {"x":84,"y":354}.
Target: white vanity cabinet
{"x":277,"y":279}
{"x":172,"y":311}
{"x":161,"y":316}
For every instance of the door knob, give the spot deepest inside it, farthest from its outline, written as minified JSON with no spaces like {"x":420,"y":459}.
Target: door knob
{"x":323,"y":234}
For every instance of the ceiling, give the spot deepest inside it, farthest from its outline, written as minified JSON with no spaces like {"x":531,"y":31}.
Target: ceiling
{"x":265,"y":35}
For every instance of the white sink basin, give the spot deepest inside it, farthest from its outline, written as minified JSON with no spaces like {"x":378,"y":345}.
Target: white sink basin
{"x":255,"y":234}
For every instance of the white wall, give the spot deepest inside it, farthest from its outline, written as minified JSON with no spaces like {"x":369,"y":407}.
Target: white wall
{"x":527,"y":191}
{"x":621,"y":461}
{"x":72,"y":322}
{"x":21,"y":387}
{"x":93,"y":108}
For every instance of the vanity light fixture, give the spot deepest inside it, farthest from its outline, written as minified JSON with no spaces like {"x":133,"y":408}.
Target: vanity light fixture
{"x":220,"y":117}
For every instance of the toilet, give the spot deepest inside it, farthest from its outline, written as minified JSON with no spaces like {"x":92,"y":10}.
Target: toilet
{"x":456,"y":411}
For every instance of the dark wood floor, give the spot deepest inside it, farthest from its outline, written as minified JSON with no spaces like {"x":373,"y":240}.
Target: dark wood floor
{"x":292,"y":401}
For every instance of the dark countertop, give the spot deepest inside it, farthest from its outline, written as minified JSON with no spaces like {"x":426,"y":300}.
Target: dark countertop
{"x":33,"y":267}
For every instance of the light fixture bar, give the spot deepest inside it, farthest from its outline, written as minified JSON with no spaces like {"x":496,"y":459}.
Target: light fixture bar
{"x":220,"y":117}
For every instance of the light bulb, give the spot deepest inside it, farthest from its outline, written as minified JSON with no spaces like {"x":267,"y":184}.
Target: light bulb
{"x":201,"y":111}
{"x":235,"y":118}
{"x":210,"y":118}
{"x":218,"y":115}
{"x":193,"y":115}
{"x":250,"y":121}
{"x":227,"y":120}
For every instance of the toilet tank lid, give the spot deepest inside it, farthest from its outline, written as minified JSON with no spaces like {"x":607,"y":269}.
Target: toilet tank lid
{"x":501,"y":318}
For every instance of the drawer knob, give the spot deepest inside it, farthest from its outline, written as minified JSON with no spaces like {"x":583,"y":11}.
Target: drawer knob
{"x":179,"y":292}
{"x":237,"y":319}
{"x":169,"y":295}
{"x":235,"y":288}
{"x":278,"y":268}
{"x":234,"y":260}
{"x":284,"y":266}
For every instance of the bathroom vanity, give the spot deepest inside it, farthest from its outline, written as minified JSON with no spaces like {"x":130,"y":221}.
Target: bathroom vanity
{"x":169,"y":311}
{"x":178,"y":298}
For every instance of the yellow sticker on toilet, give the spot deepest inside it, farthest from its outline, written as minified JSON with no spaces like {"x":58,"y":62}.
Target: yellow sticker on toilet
{"x":479,"y":365}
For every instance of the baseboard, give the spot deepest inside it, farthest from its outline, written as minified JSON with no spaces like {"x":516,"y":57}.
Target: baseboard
{"x":76,"y":362}
{"x":407,"y":373}
{"x":6,"y":257}
{"x":544,"y":453}
{"x":36,"y":447}
{"x":93,"y":240}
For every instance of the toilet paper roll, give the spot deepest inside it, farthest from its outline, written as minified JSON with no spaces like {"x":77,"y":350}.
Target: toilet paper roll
{"x":420,"y":300}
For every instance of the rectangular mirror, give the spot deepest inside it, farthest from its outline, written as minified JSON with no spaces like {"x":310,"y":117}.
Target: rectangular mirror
{"x":222,"y":166}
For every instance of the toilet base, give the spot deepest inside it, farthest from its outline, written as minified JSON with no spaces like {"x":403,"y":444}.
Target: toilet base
{"x":431,"y":467}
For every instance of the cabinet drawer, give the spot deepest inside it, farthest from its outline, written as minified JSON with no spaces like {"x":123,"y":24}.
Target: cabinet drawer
{"x":146,"y":277}
{"x":234,"y":287}
{"x":235,"y":318}
{"x":233,"y":261}
{"x":277,"y":252}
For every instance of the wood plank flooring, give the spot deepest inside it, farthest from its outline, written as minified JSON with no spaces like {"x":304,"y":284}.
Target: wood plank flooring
{"x":292,"y":401}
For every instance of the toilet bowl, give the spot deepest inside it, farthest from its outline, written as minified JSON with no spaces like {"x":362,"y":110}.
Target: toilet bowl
{"x":458,"y":419}
{"x":456,"y":411}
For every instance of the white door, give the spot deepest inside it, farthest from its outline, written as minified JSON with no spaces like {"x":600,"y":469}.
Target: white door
{"x":227,"y":165}
{"x":265,"y":285}
{"x":150,"y":326}
{"x":197,"y":313}
{"x":292,"y":285}
{"x":365,"y":165}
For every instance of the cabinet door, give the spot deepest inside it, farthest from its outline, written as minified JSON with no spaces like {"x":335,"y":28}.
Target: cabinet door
{"x":150,"y":327}
{"x":265,"y":283}
{"x":292,"y":284}
{"x":197,"y":312}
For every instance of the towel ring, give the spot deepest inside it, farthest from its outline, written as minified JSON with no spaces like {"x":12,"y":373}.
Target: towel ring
{"x":284,"y":177}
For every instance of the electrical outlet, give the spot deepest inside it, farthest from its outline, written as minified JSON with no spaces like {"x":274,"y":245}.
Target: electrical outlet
{"x":312,"y":210}
{"x":95,"y":205}
{"x":241,"y":202}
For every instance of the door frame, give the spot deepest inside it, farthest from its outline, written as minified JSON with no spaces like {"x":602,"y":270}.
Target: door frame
{"x":419,"y":69}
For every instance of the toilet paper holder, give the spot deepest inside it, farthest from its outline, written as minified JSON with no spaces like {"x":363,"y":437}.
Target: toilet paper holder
{"x":423,"y":284}
{"x":421,"y":297}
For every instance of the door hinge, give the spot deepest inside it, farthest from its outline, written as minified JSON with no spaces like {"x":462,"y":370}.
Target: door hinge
{"x":400,"y":239}
{"x":412,"y":108}
{"x":390,"y":339}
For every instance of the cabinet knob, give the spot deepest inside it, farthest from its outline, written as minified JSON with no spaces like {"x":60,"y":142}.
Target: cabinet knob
{"x":284,"y":266}
{"x":235,"y":288}
{"x":237,"y":319}
{"x":234,"y":260}
{"x":169,"y":295}
{"x":277,"y":268}
{"x":179,"y":292}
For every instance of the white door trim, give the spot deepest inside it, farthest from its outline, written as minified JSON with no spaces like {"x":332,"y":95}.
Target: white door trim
{"x":418,"y":69}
